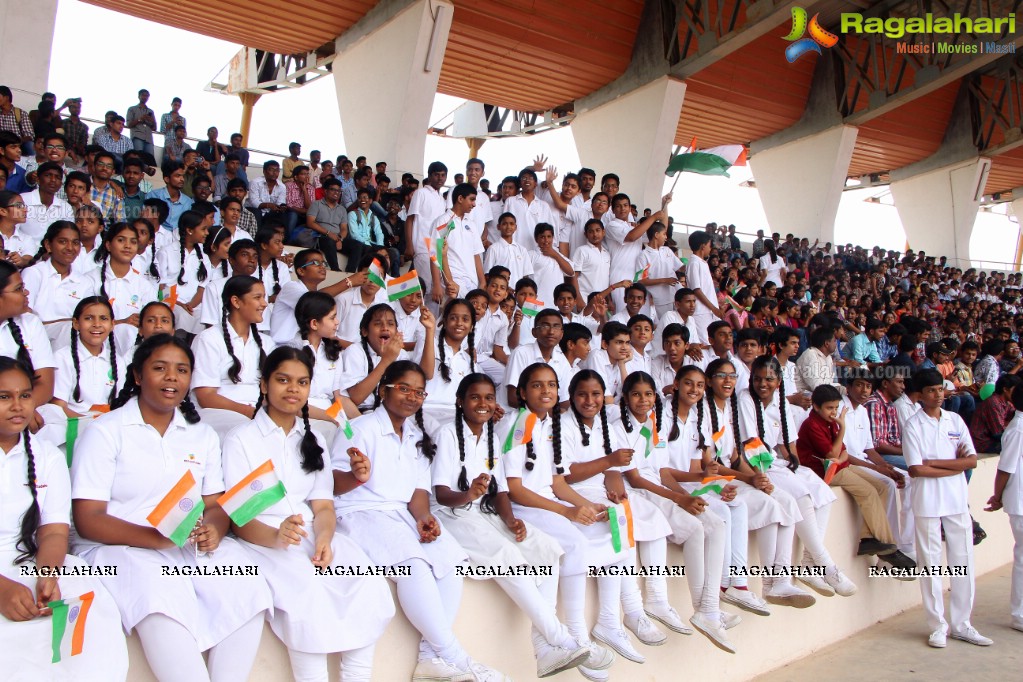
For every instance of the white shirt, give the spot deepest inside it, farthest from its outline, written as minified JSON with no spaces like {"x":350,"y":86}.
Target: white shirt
{"x":39,"y":217}
{"x":684,"y":449}
{"x":773,"y":269}
{"x":128,"y":294}
{"x":491,"y":330}
{"x":527,"y":216}
{"x":21,"y":242}
{"x":524,"y":356}
{"x":548,"y":275}
{"x":53,"y":490}
{"x":576,"y":453}
{"x":623,"y":254}
{"x":327,"y":375}
{"x":408,"y":324}
{"x":464,"y":246}
{"x":260,"y":194}
{"x":447,"y":464}
{"x":427,"y":205}
{"x":479,"y":216}
{"x":53,"y":297}
{"x":33,"y":334}
{"x":350,"y":310}
{"x":398,"y":469}
{"x":126,"y":463}
{"x":600,"y":363}
{"x":168,"y":261}
{"x":927,"y":438}
{"x":773,"y":433}
{"x":212,"y":362}
{"x":593,"y":266}
{"x":511,"y":256}
{"x":353,"y":367}
{"x":1010,"y":462}
{"x":698,"y":277}
{"x":663,"y":263}
{"x":857,"y":439}
{"x":648,"y":466}
{"x":442,"y":393}
{"x":95,"y":380}
{"x":672,"y":317}
{"x":283,"y":325}
{"x":572,"y":225}
{"x":540,"y":479}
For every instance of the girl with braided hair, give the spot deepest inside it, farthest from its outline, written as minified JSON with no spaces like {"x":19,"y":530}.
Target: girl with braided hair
{"x":54,"y":285}
{"x":90,"y":223}
{"x":185,"y":272}
{"x":772,"y":512}
{"x":382,"y":500}
{"x":471,"y":500}
{"x":763,"y":414}
{"x":271,"y":268}
{"x":228,"y":357}
{"x":701,"y":533}
{"x":117,"y":280}
{"x":535,"y":469}
{"x":454,"y":358}
{"x":381,"y":345}
{"x":216,"y":247}
{"x":89,"y":372}
{"x":34,"y":525}
{"x":125,"y":463}
{"x":145,"y":260}
{"x":312,"y":616}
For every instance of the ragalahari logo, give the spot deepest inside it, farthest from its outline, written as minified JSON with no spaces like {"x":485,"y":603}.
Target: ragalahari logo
{"x":818,"y":36}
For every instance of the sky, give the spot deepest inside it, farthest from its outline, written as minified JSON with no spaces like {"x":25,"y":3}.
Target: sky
{"x":175,"y":63}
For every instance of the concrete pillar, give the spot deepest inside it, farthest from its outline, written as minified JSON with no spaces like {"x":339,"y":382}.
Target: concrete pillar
{"x":385,"y":112}
{"x":938,"y":208}
{"x":801,"y":182}
{"x":633,"y":136}
{"x":26,"y":33}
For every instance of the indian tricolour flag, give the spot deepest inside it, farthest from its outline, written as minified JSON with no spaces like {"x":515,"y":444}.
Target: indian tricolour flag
{"x":69,"y":617}
{"x":376,"y":274}
{"x":757,"y":455}
{"x":716,"y":437}
{"x":177,"y":512}
{"x":253,"y":495}
{"x":403,"y":286}
{"x":531,"y":307}
{"x":170,"y":298}
{"x":711,"y":161}
{"x":649,"y":433}
{"x":522,"y":432}
{"x":619,"y":516}
{"x":337,"y":413}
{"x":641,"y":274}
{"x":712,"y":484}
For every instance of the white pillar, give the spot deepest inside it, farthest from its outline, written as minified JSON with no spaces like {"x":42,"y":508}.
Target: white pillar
{"x":801,"y":182}
{"x":385,"y":112}
{"x":633,"y":136}
{"x":939,"y":208}
{"x":26,"y":33}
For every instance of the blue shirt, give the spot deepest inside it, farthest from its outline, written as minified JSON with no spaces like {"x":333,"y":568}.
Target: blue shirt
{"x":178,"y":207}
{"x":16,"y":181}
{"x":861,"y":349}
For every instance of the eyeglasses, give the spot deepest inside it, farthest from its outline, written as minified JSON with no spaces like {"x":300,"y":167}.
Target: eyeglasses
{"x":104,"y":164}
{"x":15,"y":205}
{"x":313,"y":264}
{"x":58,"y":147}
{"x":724,"y":375}
{"x":406,"y":390}
{"x":547,"y":327}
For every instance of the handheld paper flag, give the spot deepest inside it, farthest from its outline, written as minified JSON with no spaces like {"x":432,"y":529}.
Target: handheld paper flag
{"x":619,"y":516}
{"x":253,"y":495}
{"x":522,"y":431}
{"x":376,"y":274}
{"x":177,"y":512}
{"x":69,"y":617}
{"x":403,"y":286}
{"x":757,"y":455}
{"x":337,"y":413}
{"x":641,"y":274}
{"x":531,"y":307}
{"x":712,"y":484}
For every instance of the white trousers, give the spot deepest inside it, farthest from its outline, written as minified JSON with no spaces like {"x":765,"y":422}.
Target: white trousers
{"x":959,"y":552}
{"x":1016,"y":592}
{"x":899,"y":512}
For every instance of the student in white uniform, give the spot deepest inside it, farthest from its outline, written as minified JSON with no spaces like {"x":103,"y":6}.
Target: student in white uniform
{"x":388,"y":516}
{"x":311,"y":270}
{"x":454,"y":358}
{"x":353,"y":303}
{"x":1008,"y":495}
{"x":471,"y":500}
{"x":145,"y":259}
{"x":155,"y":318}
{"x":124,"y":466}
{"x":784,"y":342}
{"x":535,"y":474}
{"x":595,"y":472}
{"x":381,"y":345}
{"x":90,"y":224}
{"x":316,"y":314}
{"x":312,"y":615}
{"x":271,"y":269}
{"x":185,"y":271}
{"x":216,"y":247}
{"x":228,"y":357}
{"x":661,"y":266}
{"x":54,"y":285}
{"x":614,"y":360}
{"x":117,"y":280}
{"x":507,"y":252}
{"x":938,"y":450}
{"x":491,"y":330}
{"x":34,"y":527}
{"x":771,"y":265}
{"x":763,"y":414}
{"x":242,"y":259}
{"x":547,"y":332}
{"x":701,"y":533}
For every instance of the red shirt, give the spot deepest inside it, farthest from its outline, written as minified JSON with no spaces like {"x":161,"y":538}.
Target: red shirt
{"x":816,"y":437}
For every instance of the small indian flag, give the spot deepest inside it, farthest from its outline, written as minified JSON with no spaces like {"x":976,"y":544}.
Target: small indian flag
{"x":712,"y":484}
{"x":522,"y":432}
{"x":253,"y":495}
{"x":71,"y":431}
{"x":170,"y":298}
{"x":619,"y":516}
{"x":716,"y":437}
{"x":337,"y":413}
{"x":403,"y":286}
{"x":757,"y":455}
{"x":831,"y":467}
{"x":177,"y":512}
{"x":69,"y":617}
{"x":531,"y":307}
{"x":376,"y":274}
{"x":641,"y":274}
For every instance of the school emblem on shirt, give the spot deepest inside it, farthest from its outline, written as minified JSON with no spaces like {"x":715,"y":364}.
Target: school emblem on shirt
{"x":134,"y":301}
{"x":73,"y":294}
{"x":190,"y":459}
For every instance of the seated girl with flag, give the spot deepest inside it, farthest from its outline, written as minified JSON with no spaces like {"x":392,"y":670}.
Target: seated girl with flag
{"x":535,"y":472}
{"x":145,"y":482}
{"x":772,"y":511}
{"x":471,"y":499}
{"x":454,"y":358}
{"x":366,"y":291}
{"x":280,"y":497}
{"x":388,"y":516}
{"x":34,"y":523}
{"x":595,"y":472}
{"x":701,"y":533}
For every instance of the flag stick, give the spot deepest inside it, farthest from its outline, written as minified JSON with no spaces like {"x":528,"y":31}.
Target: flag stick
{"x":678,"y":147}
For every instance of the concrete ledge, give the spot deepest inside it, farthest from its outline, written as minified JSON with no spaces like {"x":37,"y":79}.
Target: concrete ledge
{"x":494,"y":631}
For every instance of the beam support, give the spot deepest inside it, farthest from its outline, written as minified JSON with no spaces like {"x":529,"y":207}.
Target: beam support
{"x":26,"y":32}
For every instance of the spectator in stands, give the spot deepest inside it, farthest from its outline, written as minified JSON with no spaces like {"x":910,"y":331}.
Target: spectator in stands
{"x":195,"y":167}
{"x":113,"y":139}
{"x":993,"y":415}
{"x":105,"y":194}
{"x":364,"y":230}
{"x":133,"y":194}
{"x":44,"y":205}
{"x":327,"y":218}
{"x":177,"y":201}
{"x":987,"y":369}
{"x":211,"y":150}
{"x":238,"y":150}
{"x":172,"y":119}
{"x":347,"y":179}
{"x":299,"y":195}
{"x":13,"y":119}
{"x":885,"y":427}
{"x":1012,"y":359}
{"x":10,"y":154}
{"x":266,"y":193}
{"x":733,"y":240}
{"x":142,"y":123}
{"x":175,"y":146}
{"x":249,"y":220}
{"x":292,"y":160}
{"x":231,"y":170}
{"x":76,"y":132}
{"x":816,"y":365}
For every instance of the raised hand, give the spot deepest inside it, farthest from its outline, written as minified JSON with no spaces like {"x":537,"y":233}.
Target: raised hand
{"x":360,"y":464}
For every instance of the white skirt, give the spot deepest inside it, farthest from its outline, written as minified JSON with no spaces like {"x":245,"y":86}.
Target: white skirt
{"x":800,"y":482}
{"x":598,"y":548}
{"x":778,"y":507}
{"x":648,"y":523}
{"x":489,"y":543}
{"x":683,"y":524}
{"x":390,"y":537}
{"x":25,"y":652}
{"x":321,"y":614}
{"x":183,"y":321}
{"x":209,"y":607}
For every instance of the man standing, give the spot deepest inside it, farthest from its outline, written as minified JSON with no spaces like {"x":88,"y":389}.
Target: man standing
{"x":142,"y":123}
{"x":299,"y":196}
{"x":423,"y":213}
{"x":172,"y":119}
{"x":294,"y":149}
{"x":105,"y":194}
{"x":76,"y":132}
{"x":529,"y":211}
{"x":463,"y":250}
{"x":480,"y":215}
{"x":43,"y":205}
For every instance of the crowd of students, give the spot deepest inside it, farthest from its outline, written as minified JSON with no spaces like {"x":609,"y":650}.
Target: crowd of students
{"x":549,"y":385}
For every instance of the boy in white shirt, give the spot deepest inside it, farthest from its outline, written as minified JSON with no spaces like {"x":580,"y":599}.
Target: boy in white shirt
{"x":593,"y":261}
{"x":550,"y":266}
{"x":521,"y":331}
{"x":407,"y":310}
{"x":575,"y":345}
{"x":661,"y":267}
{"x":565,"y":300}
{"x":506,"y":252}
{"x":1009,"y":496}
{"x":685,"y":307}
{"x":938,"y":450}
{"x":612,"y":360}
{"x":625,"y":240}
{"x":637,"y":302}
{"x":700,"y":281}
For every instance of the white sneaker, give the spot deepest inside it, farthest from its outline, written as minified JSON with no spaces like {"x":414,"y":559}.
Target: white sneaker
{"x":713,"y":631}
{"x":438,"y":670}
{"x":551,"y":660}
{"x":669,"y":617}
{"x":838,"y":582}
{"x":1017,"y":625}
{"x":730,"y":620}
{"x":816,"y":583}
{"x":784,"y":593}
{"x":481,"y":673}
{"x":937,"y":639}
{"x":594,"y":675}
{"x":646,"y":631}
{"x":599,"y":658}
{"x":746,"y":600}
{"x":617,"y":639}
{"x":970,"y":634}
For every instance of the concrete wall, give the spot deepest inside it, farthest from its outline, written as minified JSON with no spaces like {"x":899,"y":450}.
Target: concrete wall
{"x":497,"y":633}
{"x":26,"y":34}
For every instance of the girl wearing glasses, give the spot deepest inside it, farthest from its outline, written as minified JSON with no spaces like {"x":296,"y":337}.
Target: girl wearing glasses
{"x":18,"y":246}
{"x":311,"y":270}
{"x":387,"y":514}
{"x":127,"y":289}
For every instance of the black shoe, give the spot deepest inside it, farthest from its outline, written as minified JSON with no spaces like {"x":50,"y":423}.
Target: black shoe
{"x":979,"y":534}
{"x":898,"y":559}
{"x":874,"y":546}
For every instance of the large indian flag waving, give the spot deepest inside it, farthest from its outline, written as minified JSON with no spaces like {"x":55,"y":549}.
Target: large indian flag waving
{"x":711,"y":161}
{"x":253,"y":495}
{"x":69,"y":616}
{"x":177,"y":512}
